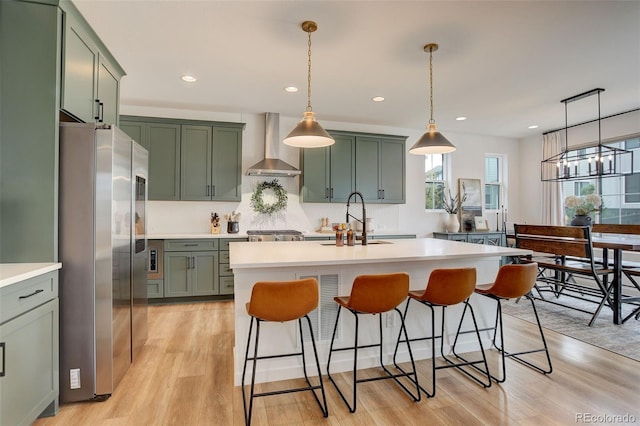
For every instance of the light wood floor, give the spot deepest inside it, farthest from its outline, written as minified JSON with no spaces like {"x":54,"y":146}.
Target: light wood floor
{"x":184,"y":377}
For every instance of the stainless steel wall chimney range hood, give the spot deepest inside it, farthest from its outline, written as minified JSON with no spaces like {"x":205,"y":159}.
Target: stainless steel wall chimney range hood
{"x":272,"y":165}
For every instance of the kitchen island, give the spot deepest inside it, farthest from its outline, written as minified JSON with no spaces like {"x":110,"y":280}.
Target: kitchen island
{"x":335,"y":268}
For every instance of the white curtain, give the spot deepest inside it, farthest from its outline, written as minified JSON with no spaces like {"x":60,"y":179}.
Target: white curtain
{"x":552,"y":203}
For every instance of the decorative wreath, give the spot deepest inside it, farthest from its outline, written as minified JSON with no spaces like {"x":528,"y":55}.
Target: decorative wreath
{"x":258,"y":203}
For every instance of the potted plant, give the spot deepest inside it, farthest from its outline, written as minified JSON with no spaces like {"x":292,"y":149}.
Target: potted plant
{"x":451,"y":205}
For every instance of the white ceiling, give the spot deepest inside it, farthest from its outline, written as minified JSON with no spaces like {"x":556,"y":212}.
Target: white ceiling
{"x":503,"y":64}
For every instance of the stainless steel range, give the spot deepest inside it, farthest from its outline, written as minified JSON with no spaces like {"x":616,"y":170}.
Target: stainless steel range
{"x":275,"y":235}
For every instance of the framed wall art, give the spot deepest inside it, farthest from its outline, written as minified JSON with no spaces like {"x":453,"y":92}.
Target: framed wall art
{"x":471,"y":207}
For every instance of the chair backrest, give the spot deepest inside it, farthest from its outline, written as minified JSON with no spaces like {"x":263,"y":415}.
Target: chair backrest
{"x":283,"y":300}
{"x":378,"y":293}
{"x":611,"y":228}
{"x":559,"y":240}
{"x":515,"y":280}
{"x":450,"y":286}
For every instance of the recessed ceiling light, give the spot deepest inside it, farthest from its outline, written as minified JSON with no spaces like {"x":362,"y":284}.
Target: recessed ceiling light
{"x":189,"y":78}
{"x":291,"y":89}
{"x":535,"y":126}
{"x":377,"y":99}
{"x":461,"y":118}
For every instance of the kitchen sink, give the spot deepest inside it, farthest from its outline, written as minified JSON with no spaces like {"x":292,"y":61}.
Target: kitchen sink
{"x":358,"y":243}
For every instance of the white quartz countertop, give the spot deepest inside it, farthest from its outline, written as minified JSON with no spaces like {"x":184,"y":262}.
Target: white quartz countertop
{"x":193,"y":236}
{"x":310,"y":253}
{"x":11,"y":273}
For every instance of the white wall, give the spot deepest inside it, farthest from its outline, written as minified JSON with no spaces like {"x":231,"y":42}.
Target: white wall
{"x":467,"y":162}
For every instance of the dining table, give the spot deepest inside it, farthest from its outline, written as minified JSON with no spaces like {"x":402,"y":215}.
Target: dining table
{"x":617,"y":243}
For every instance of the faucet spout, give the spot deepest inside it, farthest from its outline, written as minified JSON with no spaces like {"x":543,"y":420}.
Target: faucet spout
{"x":363,"y":221}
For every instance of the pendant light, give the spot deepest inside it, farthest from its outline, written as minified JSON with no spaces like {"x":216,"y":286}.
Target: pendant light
{"x":432,"y":141}
{"x":309,"y":133}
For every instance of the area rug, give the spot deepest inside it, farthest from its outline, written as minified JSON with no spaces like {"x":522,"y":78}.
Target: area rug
{"x":622,"y":339}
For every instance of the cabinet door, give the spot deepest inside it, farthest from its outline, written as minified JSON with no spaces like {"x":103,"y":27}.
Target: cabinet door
{"x":204,"y":274}
{"x":195,"y":163}
{"x":164,"y":161}
{"x":177,"y":270}
{"x":136,"y":130}
{"x":342,"y":175}
{"x":315,"y":175}
{"x":392,"y":171}
{"x":79,"y":76}
{"x":29,"y":356}
{"x":108,"y":90}
{"x":367,"y":168}
{"x":226,"y":180}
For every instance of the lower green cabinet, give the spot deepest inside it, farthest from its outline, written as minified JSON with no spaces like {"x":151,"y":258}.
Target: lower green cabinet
{"x":190,"y":273}
{"x":155,"y":289}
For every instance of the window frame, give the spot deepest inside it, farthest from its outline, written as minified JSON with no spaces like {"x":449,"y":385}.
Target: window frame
{"x":500,"y":183}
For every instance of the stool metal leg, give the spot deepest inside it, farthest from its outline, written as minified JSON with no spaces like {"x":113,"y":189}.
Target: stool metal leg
{"x":323,"y":404}
{"x":247,"y":412}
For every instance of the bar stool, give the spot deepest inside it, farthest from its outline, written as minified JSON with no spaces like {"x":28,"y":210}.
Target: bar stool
{"x":281,"y":301}
{"x":373,"y":295}
{"x":448,"y":287}
{"x":512,"y":282}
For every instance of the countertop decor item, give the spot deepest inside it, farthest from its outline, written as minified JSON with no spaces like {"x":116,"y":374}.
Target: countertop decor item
{"x":432,"y":141}
{"x":257,"y":198}
{"x":215,"y":223}
{"x":309,"y":133}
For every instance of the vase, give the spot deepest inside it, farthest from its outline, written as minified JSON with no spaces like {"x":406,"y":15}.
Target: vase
{"x":451,"y":223}
{"x":581,"y":220}
{"x":233,"y":227}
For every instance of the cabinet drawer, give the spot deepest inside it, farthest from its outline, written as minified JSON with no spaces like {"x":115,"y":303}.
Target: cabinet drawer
{"x":21,"y":297}
{"x":225,"y":269}
{"x":155,"y":289}
{"x":224,"y":256}
{"x":190,"y":245}
{"x":226,"y":285}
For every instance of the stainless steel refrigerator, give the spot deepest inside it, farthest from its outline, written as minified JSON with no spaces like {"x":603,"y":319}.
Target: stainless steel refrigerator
{"x":102,"y":244}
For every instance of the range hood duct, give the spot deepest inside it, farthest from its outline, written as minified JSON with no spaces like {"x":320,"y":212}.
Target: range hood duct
{"x":272,"y":165}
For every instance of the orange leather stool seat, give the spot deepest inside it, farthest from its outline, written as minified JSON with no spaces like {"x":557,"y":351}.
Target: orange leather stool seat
{"x":373,"y":295}
{"x":448,"y":287}
{"x":280,"y":301}
{"x":513,"y":282}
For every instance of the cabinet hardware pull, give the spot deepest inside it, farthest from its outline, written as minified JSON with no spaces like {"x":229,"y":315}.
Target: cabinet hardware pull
{"x":190,"y":245}
{"x":32,"y":294}
{"x":97,"y":116}
{"x":326,"y":193}
{"x":101,"y":113}
{"x":331,"y":193}
{"x":213,"y":190}
{"x":208,"y":191}
{"x":2,"y":345}
{"x":382,"y":191}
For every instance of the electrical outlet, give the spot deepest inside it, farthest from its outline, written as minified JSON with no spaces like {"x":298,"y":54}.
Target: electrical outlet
{"x":74,"y":378}
{"x":391,"y":319}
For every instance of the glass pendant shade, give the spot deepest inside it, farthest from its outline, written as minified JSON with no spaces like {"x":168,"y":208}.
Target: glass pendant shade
{"x":308,"y":133}
{"x":432,"y":142}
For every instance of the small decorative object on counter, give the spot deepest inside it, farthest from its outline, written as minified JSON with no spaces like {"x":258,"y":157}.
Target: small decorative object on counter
{"x":215,"y":223}
{"x":339,"y":237}
{"x":325,"y":225}
{"x":350,"y":237}
{"x":233,"y":225}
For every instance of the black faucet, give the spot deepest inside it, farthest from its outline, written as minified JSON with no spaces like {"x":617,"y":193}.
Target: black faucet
{"x":364,"y":215}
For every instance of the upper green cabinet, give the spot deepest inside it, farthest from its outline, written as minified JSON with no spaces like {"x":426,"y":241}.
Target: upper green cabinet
{"x":90,"y":74}
{"x":328,"y":173}
{"x":369,"y":163}
{"x":188,"y":159}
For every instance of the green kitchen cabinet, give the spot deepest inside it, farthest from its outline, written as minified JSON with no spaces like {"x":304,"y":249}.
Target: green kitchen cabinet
{"x":155,"y":289}
{"x":90,"y":74}
{"x":29,"y":350}
{"x":30,"y":64}
{"x":190,"y":268}
{"x":380,"y":169}
{"x":190,"y":160}
{"x":211,"y":163}
{"x":328,"y":173}
{"x":371,"y":164}
{"x":162,"y":140}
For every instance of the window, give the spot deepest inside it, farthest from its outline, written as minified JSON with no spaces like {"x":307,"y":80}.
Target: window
{"x":620,"y":194}
{"x":493,"y":181}
{"x":434,"y":181}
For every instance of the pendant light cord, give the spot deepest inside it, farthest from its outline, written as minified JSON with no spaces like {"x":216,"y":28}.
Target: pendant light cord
{"x":431,"y":120}
{"x":309,"y":74}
